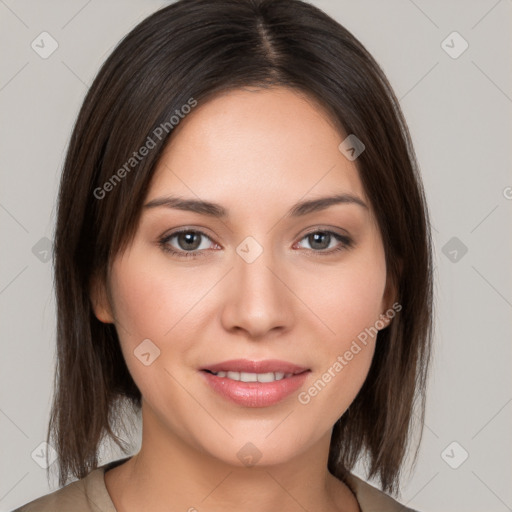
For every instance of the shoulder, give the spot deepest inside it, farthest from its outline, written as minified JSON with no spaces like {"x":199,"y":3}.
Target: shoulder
{"x":372,"y":499}
{"x":88,"y":494}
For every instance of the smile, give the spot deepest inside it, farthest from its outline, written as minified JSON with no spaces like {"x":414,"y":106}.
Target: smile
{"x":254,"y":389}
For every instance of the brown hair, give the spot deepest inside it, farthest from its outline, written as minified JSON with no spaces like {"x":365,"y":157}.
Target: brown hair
{"x":193,"y":49}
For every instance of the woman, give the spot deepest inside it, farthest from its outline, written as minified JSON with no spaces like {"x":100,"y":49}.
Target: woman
{"x":243,"y":255}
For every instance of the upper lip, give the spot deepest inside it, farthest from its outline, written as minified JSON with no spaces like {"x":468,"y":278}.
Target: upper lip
{"x":248,"y":366}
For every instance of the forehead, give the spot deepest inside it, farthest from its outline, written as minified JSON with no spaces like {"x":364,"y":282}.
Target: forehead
{"x":256,"y":147}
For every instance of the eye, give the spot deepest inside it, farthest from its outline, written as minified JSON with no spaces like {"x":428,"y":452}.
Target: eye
{"x":321,"y":240}
{"x":189,"y":241}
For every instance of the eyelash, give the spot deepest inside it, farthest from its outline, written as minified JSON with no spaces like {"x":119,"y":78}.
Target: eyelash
{"x":346,"y":243}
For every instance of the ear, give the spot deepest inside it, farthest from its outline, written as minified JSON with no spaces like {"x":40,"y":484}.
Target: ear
{"x":388,"y":299}
{"x":99,"y":300}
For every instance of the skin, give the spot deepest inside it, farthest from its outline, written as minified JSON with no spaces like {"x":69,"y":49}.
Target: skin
{"x":257,"y":153}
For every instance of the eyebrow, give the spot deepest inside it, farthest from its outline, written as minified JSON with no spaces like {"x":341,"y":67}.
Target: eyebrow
{"x":216,"y":210}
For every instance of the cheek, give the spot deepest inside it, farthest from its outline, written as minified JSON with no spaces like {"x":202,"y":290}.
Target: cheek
{"x":166,"y":306}
{"x":153,"y":304}
{"x":150,"y":301}
{"x":147,"y":306}
{"x":350,"y":300}
{"x":349,"y":304}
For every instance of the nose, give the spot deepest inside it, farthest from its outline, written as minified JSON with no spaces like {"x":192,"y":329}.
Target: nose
{"x":257,"y":298}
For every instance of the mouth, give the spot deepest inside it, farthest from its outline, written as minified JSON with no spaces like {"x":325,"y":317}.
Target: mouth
{"x":255,"y":383}
{"x":246,"y":366}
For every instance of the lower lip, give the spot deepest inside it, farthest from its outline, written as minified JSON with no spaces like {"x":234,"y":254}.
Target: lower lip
{"x":255,"y":394}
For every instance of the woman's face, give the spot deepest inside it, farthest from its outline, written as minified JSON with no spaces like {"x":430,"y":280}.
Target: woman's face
{"x":262,"y":282}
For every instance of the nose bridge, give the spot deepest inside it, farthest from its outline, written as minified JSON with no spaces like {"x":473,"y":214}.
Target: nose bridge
{"x":258,"y":300}
{"x":253,"y":265}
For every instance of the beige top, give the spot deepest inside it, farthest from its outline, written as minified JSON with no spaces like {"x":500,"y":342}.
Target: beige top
{"x":90,"y":495}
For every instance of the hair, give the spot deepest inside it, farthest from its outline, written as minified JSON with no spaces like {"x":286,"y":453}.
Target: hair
{"x":195,"y":49}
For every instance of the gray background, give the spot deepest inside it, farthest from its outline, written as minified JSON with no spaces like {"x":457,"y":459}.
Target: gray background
{"x":459,"y":112}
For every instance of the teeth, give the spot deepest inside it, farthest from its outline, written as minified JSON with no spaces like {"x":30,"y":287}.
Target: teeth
{"x":267,"y":377}
{"x":254,"y":377}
